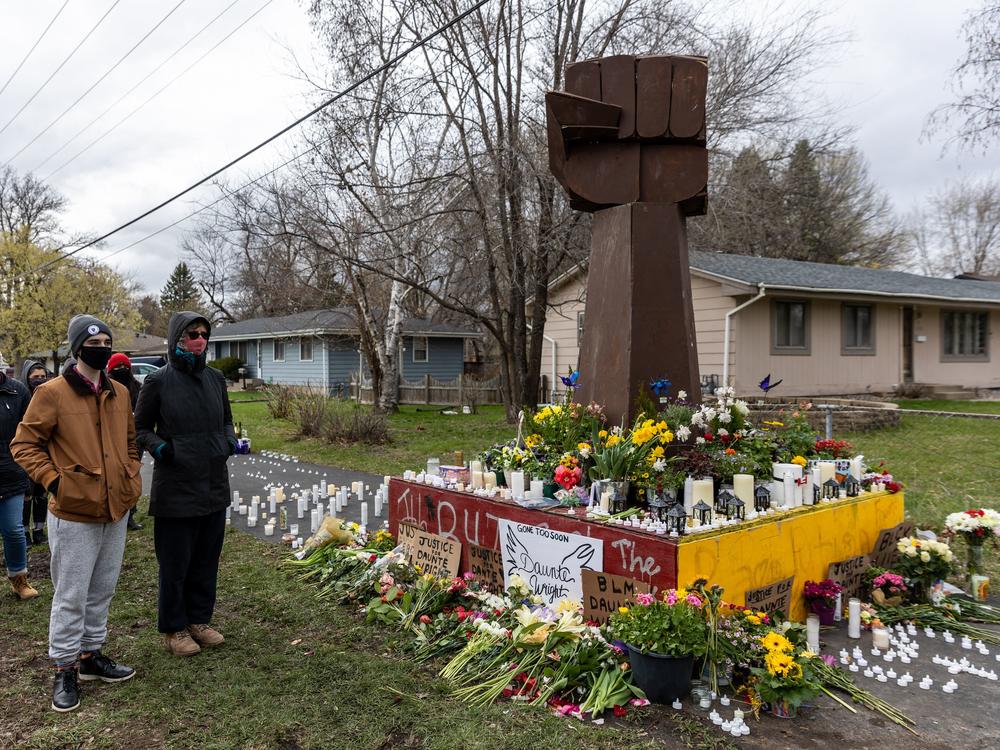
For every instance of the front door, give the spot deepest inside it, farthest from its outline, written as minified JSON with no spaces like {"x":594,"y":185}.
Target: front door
{"x":907,"y":344}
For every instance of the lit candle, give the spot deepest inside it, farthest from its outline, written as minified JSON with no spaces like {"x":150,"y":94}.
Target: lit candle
{"x":517,"y":483}
{"x":743,"y":487}
{"x":812,"y":633}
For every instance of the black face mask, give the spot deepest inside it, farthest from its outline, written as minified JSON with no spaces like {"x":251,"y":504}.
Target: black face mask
{"x":121,"y":374}
{"x":35,"y":382}
{"x":96,"y":356}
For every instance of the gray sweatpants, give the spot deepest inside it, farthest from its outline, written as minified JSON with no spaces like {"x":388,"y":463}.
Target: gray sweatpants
{"x":86,"y":561}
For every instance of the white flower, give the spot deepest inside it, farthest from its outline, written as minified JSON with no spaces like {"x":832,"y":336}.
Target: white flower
{"x":681,"y":395}
{"x":722,"y":432}
{"x":710,"y":414}
{"x":585,"y":453}
{"x":659,"y":464}
{"x":741,"y":408}
{"x":697,"y":419}
{"x":925,"y":556}
{"x":683,"y":433}
{"x":725,"y":417}
{"x":699,"y":440}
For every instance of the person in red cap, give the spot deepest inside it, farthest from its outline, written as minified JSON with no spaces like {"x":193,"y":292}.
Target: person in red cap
{"x":120,"y":369}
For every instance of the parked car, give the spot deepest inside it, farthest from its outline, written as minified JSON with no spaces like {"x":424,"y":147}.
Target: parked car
{"x":141,"y":369}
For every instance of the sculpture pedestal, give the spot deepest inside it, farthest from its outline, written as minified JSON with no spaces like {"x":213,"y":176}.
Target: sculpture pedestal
{"x":639,"y":320}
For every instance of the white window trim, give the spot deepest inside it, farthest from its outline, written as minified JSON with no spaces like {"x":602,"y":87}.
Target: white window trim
{"x":274,"y":350}
{"x":427,"y":350}
{"x":311,"y":354}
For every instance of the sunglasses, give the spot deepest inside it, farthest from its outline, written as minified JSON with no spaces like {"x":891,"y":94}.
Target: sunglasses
{"x":196,"y":335}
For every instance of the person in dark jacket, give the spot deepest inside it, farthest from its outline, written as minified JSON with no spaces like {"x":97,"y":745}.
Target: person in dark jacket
{"x":33,"y":374}
{"x":120,"y":370}
{"x":184,"y":421}
{"x":14,"y":398}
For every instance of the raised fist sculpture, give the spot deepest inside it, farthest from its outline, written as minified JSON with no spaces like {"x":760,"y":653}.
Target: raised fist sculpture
{"x":627,"y":142}
{"x":631,"y":129}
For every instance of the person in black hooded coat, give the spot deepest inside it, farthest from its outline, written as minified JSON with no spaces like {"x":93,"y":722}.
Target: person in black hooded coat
{"x":184,"y":421}
{"x":36,"y":498}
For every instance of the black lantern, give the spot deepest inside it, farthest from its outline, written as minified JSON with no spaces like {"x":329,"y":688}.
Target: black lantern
{"x":703,"y":512}
{"x":659,"y":503}
{"x":831,"y":489}
{"x":761,"y":498}
{"x":852,"y":486}
{"x":618,"y":501}
{"x":677,"y":518}
{"x":736,"y":508}
{"x":725,"y":497}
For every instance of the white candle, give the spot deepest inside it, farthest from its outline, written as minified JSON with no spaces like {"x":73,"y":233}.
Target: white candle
{"x":490,"y":480}
{"x":294,"y":529}
{"x":477,"y":480}
{"x":517,"y":483}
{"x":460,"y":486}
{"x":743,"y":487}
{"x":243,"y":510}
{"x":688,"y":494}
{"x":251,"y":521}
{"x":838,"y":609}
{"x":857,"y":466}
{"x":323,"y":487}
{"x":536,"y":488}
{"x":475,"y":466}
{"x":702,"y":490}
{"x":268,"y":529}
{"x":880,"y":637}
{"x":812,"y":633}
{"x":236,"y":498}
{"x":827,"y":470}
{"x":378,"y":506}
{"x":364,"y":513}
{"x":385,"y":480}
{"x":605,"y":501}
{"x":788,"y":489}
{"x":228,"y":516}
{"x":331,"y":506}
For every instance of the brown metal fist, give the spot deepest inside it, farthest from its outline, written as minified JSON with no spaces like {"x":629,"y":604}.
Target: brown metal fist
{"x":631,"y":129}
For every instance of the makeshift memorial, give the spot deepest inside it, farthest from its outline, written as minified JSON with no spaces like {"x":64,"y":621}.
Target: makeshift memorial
{"x":663,"y":634}
{"x":822,"y":598}
{"x":888,"y":589}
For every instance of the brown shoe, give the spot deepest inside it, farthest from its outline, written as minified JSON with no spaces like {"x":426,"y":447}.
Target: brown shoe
{"x":181,"y":644}
{"x":22,"y":589}
{"x":205,"y":635}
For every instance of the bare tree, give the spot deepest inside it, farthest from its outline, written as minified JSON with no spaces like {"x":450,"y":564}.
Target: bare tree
{"x":29,"y":209}
{"x":960,"y":230}
{"x":974,"y":115}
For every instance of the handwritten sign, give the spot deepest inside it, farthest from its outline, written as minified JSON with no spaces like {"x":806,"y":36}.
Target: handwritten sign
{"x":435,"y":554}
{"x":604,"y":593}
{"x":850,"y":574}
{"x":884,"y":552}
{"x":487,"y":565}
{"x":550,"y":561}
{"x":775,"y":597}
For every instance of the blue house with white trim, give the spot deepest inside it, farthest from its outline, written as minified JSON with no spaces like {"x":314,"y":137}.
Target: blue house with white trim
{"x":321,"y":348}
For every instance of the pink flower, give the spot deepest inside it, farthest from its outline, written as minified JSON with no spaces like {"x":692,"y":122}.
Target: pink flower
{"x":468,"y":575}
{"x":671,"y":598}
{"x":693,"y":600}
{"x":645,"y":599}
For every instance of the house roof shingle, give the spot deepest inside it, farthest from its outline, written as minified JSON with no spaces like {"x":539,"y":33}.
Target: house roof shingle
{"x":330,"y":321}
{"x":780,"y":273}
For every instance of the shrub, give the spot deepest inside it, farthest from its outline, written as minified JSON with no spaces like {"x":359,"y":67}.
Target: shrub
{"x":229,"y":366}
{"x":358,"y":426}
{"x":310,"y":411}
{"x":281,"y":401}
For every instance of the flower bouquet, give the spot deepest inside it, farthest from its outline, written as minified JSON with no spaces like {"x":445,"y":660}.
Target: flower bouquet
{"x":888,"y":589}
{"x":787,"y":678}
{"x":663,"y":636}
{"x":923,"y":562}
{"x":822,"y":598}
{"x":976,"y":526}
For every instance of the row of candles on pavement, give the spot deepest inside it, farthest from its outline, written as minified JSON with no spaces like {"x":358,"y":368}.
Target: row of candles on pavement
{"x":336,"y":500}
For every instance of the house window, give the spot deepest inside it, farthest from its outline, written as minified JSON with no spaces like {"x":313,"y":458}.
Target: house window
{"x":790,"y":327}
{"x":279,"y":350}
{"x":241,"y":350}
{"x":964,"y":334}
{"x":305,"y":349}
{"x":579,"y":328}
{"x":218,"y":350}
{"x":419,"y":348}
{"x":858,"y":329}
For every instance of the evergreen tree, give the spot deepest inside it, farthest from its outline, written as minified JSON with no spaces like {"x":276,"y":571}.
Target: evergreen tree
{"x":180,"y":292}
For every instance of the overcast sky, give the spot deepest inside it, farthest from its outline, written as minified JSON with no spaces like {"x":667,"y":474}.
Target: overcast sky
{"x":887,"y":78}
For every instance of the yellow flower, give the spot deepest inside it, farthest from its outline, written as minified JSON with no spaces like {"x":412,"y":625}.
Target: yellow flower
{"x":656,"y":453}
{"x":775,"y":424}
{"x":602,"y":434}
{"x":753,"y":619}
{"x":666,"y":436}
{"x":583,"y":447}
{"x":623,"y":610}
{"x":532,"y":440}
{"x":800,"y":460}
{"x":613,"y":440}
{"x":776,"y":642}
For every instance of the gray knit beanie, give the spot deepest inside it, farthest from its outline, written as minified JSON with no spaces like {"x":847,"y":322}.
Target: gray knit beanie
{"x":81,"y":328}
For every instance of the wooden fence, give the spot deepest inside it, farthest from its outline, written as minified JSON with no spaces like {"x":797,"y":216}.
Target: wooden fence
{"x":430,"y":390}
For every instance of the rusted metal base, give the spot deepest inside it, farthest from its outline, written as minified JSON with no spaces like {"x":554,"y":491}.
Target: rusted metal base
{"x":639,"y":320}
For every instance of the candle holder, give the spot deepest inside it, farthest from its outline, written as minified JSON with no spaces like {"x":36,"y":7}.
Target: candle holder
{"x":722,"y":500}
{"x":659,"y":501}
{"x":735,"y":509}
{"x":677,"y":518}
{"x":703,"y":512}
{"x":831,"y":489}
{"x":852,"y":486}
{"x":761,"y":498}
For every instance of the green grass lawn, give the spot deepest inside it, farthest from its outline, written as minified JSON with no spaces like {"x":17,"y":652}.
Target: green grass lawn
{"x":975,"y":407}
{"x":416,"y":435}
{"x":295,"y":672}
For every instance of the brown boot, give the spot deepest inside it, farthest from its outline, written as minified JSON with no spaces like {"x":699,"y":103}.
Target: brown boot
{"x":181,"y":644}
{"x":22,"y":589}
{"x":205,"y":635}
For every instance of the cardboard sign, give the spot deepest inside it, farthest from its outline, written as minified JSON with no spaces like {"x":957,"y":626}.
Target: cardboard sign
{"x":850,"y":574}
{"x":434,"y":554}
{"x":604,"y":593}
{"x":487,"y":564}
{"x":884,"y":553}
{"x":552,"y":562}
{"x":775,"y":597}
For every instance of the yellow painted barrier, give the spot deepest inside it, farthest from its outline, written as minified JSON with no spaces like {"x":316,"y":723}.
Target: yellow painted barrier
{"x":801,"y":544}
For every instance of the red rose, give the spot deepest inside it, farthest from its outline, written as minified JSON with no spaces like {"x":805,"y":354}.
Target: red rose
{"x":425,"y":619}
{"x":620,"y":711}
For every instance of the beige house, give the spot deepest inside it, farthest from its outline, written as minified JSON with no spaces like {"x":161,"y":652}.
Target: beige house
{"x":822,"y":329}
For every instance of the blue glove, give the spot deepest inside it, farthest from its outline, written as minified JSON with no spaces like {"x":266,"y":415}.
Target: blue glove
{"x":163,"y":452}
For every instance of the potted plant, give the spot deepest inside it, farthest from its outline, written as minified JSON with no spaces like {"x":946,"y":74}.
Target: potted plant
{"x":663,"y":636}
{"x":822,"y":598}
{"x":888,"y":589}
{"x":786,"y":680}
{"x":923,"y":562}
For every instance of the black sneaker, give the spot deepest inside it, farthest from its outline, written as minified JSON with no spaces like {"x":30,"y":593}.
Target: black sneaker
{"x":99,"y":667}
{"x":38,"y":536}
{"x":65,"y":690}
{"x":27,"y":538}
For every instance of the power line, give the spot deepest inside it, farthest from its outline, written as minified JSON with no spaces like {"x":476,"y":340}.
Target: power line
{"x":149,"y":75}
{"x":96,"y":83}
{"x":336,"y":97}
{"x":37,"y":42}
{"x":61,"y":65}
{"x":159,"y":91}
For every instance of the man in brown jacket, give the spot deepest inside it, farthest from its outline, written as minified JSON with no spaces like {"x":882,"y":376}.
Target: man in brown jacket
{"x":77,"y":439}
